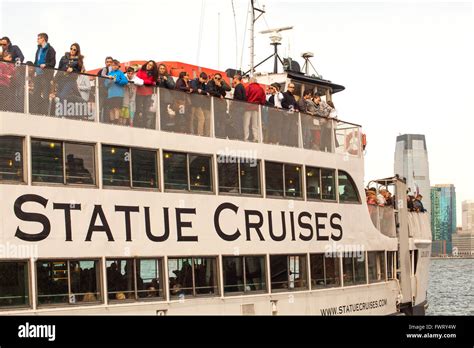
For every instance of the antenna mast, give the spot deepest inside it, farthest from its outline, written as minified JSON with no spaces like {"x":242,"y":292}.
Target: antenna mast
{"x":252,"y":33}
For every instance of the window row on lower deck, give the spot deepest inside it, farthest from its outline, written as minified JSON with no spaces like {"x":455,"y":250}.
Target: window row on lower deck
{"x":55,"y":162}
{"x":88,"y":281}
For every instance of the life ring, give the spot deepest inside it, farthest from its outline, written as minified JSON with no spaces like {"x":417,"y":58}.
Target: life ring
{"x":352,"y":143}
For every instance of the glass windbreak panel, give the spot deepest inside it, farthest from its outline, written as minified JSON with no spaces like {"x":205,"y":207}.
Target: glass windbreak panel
{"x":332,"y":272}
{"x":180,"y":273}
{"x":347,"y":188}
{"x":80,"y":167}
{"x":348,"y":271}
{"x":14,"y":284}
{"x":298,"y":276}
{"x":12,"y":89}
{"x":144,"y":169}
{"x":280,"y":127}
{"x":200,"y":173}
{"x":47,"y":161}
{"x":146,"y":103}
{"x":85,"y":281}
{"x":328,"y":184}
{"x":292,"y":181}
{"x":326,"y":130}
{"x":250,"y":176}
{"x":232,"y":117}
{"x":182,"y":112}
{"x":311,"y":128}
{"x":313,"y":183}
{"x":11,"y":158}
{"x":348,"y":139}
{"x":255,"y":276}
{"x":233,"y":267}
{"x":175,"y":171}
{"x":228,"y":177}
{"x":149,"y":278}
{"x":69,"y":96}
{"x":274,"y":178}
{"x":115,"y":166}
{"x":279,"y":272}
{"x":52,"y":282}
{"x":359,"y":270}
{"x":376,"y":266}
{"x":205,"y":275}
{"x":120,"y":279}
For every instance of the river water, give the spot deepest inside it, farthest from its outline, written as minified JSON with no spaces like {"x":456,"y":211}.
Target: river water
{"x":451,"y":287}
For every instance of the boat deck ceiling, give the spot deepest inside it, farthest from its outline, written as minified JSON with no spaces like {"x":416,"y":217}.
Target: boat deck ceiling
{"x":313,"y":80}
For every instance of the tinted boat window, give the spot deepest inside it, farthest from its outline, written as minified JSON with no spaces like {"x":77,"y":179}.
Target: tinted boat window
{"x":347,"y":188}
{"x":14,"y":289}
{"x":144,"y":169}
{"x":313,"y":184}
{"x":11,"y":158}
{"x":47,"y":161}
{"x":250,"y":177}
{"x":328,"y":184}
{"x":274,"y":179}
{"x":175,"y":171}
{"x":115,"y":166}
{"x":200,"y":173}
{"x":79,"y":164}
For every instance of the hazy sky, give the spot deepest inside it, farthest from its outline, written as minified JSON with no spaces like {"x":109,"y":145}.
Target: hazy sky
{"x":407,"y":66}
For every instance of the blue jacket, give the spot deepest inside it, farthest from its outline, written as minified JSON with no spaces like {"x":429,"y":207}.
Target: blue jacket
{"x":115,"y":88}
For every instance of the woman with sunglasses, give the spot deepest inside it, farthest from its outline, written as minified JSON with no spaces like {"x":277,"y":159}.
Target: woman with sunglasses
{"x":72,"y":61}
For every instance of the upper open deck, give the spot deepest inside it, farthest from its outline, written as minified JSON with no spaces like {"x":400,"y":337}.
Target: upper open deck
{"x":25,"y":89}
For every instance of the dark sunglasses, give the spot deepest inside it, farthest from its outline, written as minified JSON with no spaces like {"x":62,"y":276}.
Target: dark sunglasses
{"x":73,"y":49}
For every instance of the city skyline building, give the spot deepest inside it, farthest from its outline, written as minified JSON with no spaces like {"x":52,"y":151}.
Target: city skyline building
{"x":411,"y":163}
{"x":443,"y":218}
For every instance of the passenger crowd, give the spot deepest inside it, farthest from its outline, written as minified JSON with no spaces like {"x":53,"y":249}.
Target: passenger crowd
{"x":128,"y":97}
{"x":384,"y":198}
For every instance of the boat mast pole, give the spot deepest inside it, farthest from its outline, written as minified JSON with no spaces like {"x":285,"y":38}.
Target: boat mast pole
{"x":252,"y":38}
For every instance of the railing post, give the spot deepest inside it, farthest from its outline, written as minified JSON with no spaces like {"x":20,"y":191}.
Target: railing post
{"x":26,"y":98}
{"x":300,"y":132}
{"x":158,"y":111}
{"x":97,"y":106}
{"x":260,"y":124}
{"x":212,"y":132}
{"x":333,"y":135}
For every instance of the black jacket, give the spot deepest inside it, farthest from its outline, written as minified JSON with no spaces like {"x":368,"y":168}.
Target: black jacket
{"x":216,"y":91}
{"x":15,"y":52}
{"x":168,"y":83}
{"x":196,"y":84}
{"x":68,"y":62}
{"x":50,"y":57}
{"x":289,"y":101}
{"x":239,"y":92}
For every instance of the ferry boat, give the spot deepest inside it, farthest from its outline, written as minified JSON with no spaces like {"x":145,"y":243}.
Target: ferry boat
{"x":156,"y":219}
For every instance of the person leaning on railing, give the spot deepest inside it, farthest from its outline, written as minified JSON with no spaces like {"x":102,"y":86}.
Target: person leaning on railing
{"x":255,"y":95}
{"x":149,"y":74}
{"x":7,"y":70}
{"x":7,"y":46}
{"x":45,"y":61}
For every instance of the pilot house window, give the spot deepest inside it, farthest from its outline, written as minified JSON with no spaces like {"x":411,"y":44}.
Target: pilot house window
{"x":347,"y":188}
{"x":11,"y":158}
